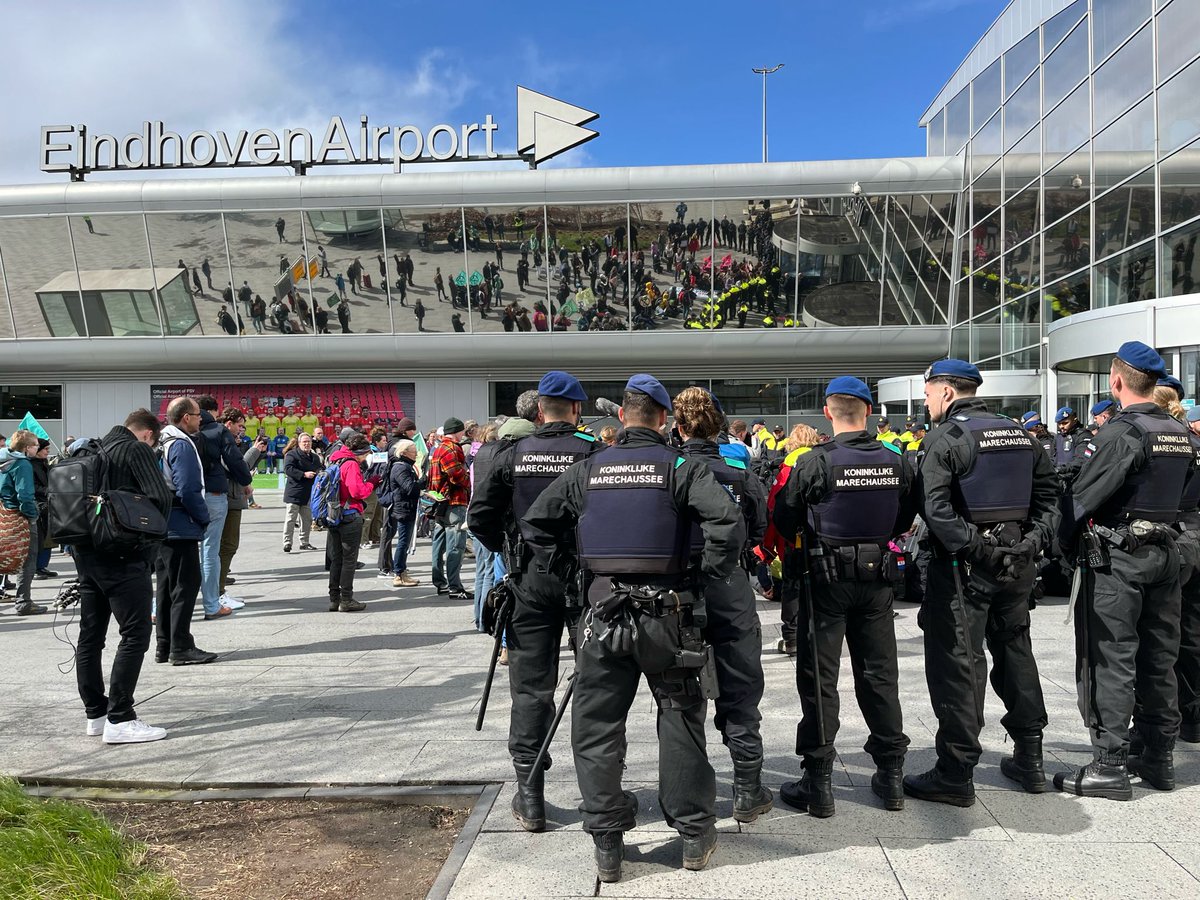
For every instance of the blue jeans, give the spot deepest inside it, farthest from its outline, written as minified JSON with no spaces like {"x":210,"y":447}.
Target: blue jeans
{"x":484,"y":578}
{"x":210,"y":552}
{"x":448,"y":542}
{"x":401,"y":542}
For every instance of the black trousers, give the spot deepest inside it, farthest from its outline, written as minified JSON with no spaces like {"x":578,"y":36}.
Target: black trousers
{"x":178,"y":572}
{"x":1127,"y":644}
{"x":112,"y":587}
{"x":342,"y":545}
{"x":1187,"y":668}
{"x":735,"y":634}
{"x":606,"y":684}
{"x":789,"y":596}
{"x":860,"y":615}
{"x":534,"y":641}
{"x":386,"y":535}
{"x":997,"y":614}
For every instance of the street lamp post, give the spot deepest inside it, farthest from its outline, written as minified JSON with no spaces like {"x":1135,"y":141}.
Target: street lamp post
{"x":764,"y":72}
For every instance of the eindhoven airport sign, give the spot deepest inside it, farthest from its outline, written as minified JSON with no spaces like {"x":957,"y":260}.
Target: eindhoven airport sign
{"x":546,"y":127}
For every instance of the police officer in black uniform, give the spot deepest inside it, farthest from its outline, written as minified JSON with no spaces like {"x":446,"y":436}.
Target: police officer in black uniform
{"x":1102,"y":411}
{"x":1033,"y":424}
{"x":632,"y":507}
{"x":1128,"y":610}
{"x":733,"y":629}
{"x":990,"y":501}
{"x":545,"y":600}
{"x":1069,"y":443}
{"x":848,"y":498}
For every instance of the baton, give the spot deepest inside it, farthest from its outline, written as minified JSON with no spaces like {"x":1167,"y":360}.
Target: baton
{"x":818,"y":700}
{"x":960,"y":613}
{"x":502,"y":619}
{"x":558,"y":714}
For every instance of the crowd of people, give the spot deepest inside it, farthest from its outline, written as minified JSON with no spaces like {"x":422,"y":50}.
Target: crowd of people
{"x":643,"y":542}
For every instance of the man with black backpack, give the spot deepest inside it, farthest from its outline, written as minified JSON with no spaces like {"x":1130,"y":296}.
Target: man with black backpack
{"x":117,"y":585}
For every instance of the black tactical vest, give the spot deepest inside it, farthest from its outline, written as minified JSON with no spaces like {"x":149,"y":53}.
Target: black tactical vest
{"x":998,"y":485}
{"x":1155,"y":491}
{"x":1191,"y":491}
{"x":731,"y":474}
{"x":1065,"y":444}
{"x":629,"y":524}
{"x":539,"y":459}
{"x":864,"y":499}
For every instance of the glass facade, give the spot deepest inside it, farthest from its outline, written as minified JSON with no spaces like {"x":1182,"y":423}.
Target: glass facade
{"x":682,"y":264}
{"x":1089,"y":200}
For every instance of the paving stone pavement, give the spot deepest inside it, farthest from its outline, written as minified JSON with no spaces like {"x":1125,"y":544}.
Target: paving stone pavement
{"x":304,"y":696}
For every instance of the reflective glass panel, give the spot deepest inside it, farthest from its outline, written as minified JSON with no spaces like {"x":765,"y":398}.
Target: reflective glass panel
{"x":958,"y":120}
{"x":935,"y":135}
{"x":498,"y":287}
{"x":1125,"y":215}
{"x":1113,"y":21}
{"x":118,"y":284}
{"x":1066,"y":185}
{"x":1178,"y":26}
{"x":1023,"y":162}
{"x":6,"y":322}
{"x":986,"y":144}
{"x":1129,"y":141}
{"x":1020,"y":61}
{"x":1181,"y":266}
{"x":198,"y":241}
{"x":431,"y":251}
{"x":1067,"y":297}
{"x":1067,"y":126}
{"x":1127,"y":278}
{"x":1066,"y":244}
{"x":1021,"y":360}
{"x":749,"y":398}
{"x":265,"y":248}
{"x":1179,"y":109}
{"x":1180,"y":176}
{"x":42,"y":283}
{"x":1054,"y":30}
{"x":1065,"y":67}
{"x":1124,"y":78}
{"x":1022,"y":111}
{"x":1022,"y":268}
{"x":1023,"y":215}
{"x":986,"y":99}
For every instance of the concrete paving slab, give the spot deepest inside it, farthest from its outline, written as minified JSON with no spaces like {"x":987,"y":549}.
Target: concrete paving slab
{"x":526,"y":865}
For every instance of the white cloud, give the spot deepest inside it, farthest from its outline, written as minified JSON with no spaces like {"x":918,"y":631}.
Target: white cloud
{"x":221,"y":64}
{"x":897,"y":13}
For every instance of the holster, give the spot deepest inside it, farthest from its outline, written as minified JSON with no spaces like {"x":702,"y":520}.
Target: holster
{"x":848,"y":563}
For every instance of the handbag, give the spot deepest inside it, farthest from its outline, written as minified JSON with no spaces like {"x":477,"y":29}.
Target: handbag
{"x":14,"y":540}
{"x":124,"y":522}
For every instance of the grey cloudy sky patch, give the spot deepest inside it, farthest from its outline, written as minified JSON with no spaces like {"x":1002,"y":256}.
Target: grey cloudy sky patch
{"x":219,"y":65}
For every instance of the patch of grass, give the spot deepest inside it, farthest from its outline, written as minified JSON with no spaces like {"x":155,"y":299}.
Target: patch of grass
{"x":53,"y":850}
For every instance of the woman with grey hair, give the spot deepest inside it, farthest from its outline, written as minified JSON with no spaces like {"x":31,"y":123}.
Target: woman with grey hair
{"x":405,"y":487}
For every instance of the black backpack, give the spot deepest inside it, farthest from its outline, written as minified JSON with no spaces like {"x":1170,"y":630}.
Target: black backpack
{"x":766,"y":466}
{"x":83,"y":510}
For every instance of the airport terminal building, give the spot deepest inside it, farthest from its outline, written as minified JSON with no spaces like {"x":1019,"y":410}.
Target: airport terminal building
{"x":1055,"y":215}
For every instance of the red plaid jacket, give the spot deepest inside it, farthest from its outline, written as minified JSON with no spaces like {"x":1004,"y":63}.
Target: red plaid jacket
{"x":448,"y":474}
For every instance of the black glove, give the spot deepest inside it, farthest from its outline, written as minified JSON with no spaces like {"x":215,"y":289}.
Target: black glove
{"x":1016,"y":559}
{"x":986,"y":552}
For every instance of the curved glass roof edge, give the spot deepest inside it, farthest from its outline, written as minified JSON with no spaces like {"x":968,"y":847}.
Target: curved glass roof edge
{"x":821,"y":178}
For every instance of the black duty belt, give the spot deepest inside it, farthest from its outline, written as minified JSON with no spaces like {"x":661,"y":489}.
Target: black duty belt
{"x":652,"y":600}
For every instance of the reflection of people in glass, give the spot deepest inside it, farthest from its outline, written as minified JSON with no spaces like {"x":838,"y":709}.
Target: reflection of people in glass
{"x":419,"y":312}
{"x":279,"y":226}
{"x":324,"y":261}
{"x":457,"y":322}
{"x":440,"y":284}
{"x":343,"y":314}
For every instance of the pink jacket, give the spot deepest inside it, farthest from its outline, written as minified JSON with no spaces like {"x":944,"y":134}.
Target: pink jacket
{"x":355,"y":489}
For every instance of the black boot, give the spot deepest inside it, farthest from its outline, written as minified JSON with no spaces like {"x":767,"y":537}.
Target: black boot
{"x":1190,"y":732}
{"x":1106,"y":777}
{"x":697,"y":851}
{"x":937,"y":786}
{"x":610,"y":850}
{"x":814,"y":791}
{"x":888,"y":785}
{"x":1155,"y":767}
{"x":1025,"y":765}
{"x":529,"y":803}
{"x":750,"y":798}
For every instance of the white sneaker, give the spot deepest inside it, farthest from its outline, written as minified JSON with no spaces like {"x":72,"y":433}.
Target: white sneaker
{"x":134,"y":731}
{"x":232,"y":602}
{"x":95,"y":727}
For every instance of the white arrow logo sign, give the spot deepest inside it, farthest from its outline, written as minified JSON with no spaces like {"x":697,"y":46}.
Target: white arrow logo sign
{"x":547,"y":127}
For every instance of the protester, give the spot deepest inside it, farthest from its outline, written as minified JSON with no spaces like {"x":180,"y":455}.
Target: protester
{"x":17,"y":493}
{"x":449,"y":477}
{"x":345,"y":538}
{"x":405,"y":485}
{"x":301,"y":465}
{"x":239,"y":499}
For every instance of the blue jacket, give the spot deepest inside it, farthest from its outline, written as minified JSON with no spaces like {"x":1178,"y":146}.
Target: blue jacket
{"x":16,"y":483}
{"x":220,"y":456}
{"x":181,"y":468}
{"x":735,"y":450}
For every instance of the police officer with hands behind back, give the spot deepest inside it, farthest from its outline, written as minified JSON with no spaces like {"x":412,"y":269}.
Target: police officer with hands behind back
{"x":848,"y":498}
{"x":733,"y":628}
{"x":546,"y":597}
{"x":1128,"y":610}
{"x":632,"y":507}
{"x":990,"y":501}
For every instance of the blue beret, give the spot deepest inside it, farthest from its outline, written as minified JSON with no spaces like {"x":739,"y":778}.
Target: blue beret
{"x":1142,"y":357}
{"x":651,"y":387}
{"x":561,"y":384}
{"x":854,"y":387}
{"x":716,"y":402}
{"x":1193,"y":414}
{"x":1064,"y":413}
{"x":1102,"y":407}
{"x":1031,"y":420}
{"x":955,"y":368}
{"x":1173,"y":383}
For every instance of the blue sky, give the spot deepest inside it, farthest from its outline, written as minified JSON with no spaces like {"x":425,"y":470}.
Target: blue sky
{"x":672,"y":82}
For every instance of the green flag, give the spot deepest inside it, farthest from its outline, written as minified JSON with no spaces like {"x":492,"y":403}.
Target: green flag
{"x":29,"y":423}
{"x":422,"y":450}
{"x":569,"y":308}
